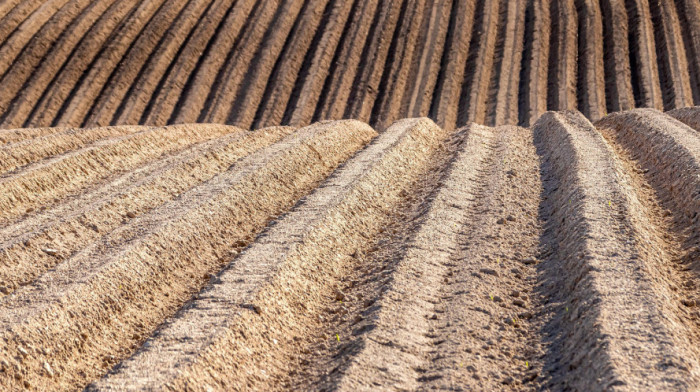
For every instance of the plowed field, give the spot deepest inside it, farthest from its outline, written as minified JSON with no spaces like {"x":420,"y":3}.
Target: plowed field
{"x":466,"y":195}
{"x":260,"y":63}
{"x":202,"y":257}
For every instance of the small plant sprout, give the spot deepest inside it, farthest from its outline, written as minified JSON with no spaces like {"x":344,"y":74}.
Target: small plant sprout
{"x":337,"y":337}
{"x":609,"y":203}
{"x":567,"y":308}
{"x":527,"y":364}
{"x":491,"y":296}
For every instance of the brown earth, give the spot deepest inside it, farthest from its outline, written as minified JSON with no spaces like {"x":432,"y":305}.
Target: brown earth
{"x":205,"y":257}
{"x":253,"y":64}
{"x":435,"y":195}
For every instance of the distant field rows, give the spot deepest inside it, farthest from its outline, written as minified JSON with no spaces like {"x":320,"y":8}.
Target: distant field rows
{"x":254,"y":64}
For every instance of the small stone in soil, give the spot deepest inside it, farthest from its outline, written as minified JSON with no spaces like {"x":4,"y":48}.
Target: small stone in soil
{"x":501,"y":221}
{"x":688,"y":302}
{"x":511,"y":218}
{"x":529,"y":260}
{"x":519,"y":302}
{"x":50,"y":252}
{"x":489,"y":271}
{"x":48,"y":369}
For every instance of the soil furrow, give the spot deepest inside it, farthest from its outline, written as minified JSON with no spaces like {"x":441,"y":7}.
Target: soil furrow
{"x":563,"y":54}
{"x":689,"y":17}
{"x":254,"y":49}
{"x":668,"y":152}
{"x":304,"y":40}
{"x":17,"y":16}
{"x":690,"y":116}
{"x":292,"y":65}
{"x":38,"y":184}
{"x":502,"y":104}
{"x":610,"y":298}
{"x":373,"y":63}
{"x":162,"y":103}
{"x":591,"y":65}
{"x":417,"y":327}
{"x":22,"y":134}
{"x":69,"y":23}
{"x":643,"y":61}
{"x":96,"y":76}
{"x":250,"y":92}
{"x":344,"y":69}
{"x":266,"y":304}
{"x":73,"y":224}
{"x":133,"y":90}
{"x":5,"y":8}
{"x":34,"y":25}
{"x":452,"y":65}
{"x":426,"y":68}
{"x":673,"y":66}
{"x":535,"y":69}
{"x":25,"y":89}
{"x":393,"y":86}
{"x":51,"y":90}
{"x":478,"y":322}
{"x":619,"y":93}
{"x":131,"y":280}
{"x":15,"y":155}
{"x":313,"y":82}
{"x":478,"y":66}
{"x":213,"y":58}
{"x":240,"y":38}
{"x":160,"y":39}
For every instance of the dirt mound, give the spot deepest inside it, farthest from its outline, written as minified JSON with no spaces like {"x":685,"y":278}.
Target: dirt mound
{"x":252,"y":64}
{"x":203,"y":257}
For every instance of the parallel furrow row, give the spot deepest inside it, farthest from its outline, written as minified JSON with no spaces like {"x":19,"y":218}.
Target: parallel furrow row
{"x":256,"y":64}
{"x":110,"y":294}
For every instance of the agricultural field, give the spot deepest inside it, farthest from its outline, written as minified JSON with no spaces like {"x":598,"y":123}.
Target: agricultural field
{"x":261,"y":63}
{"x":349,"y":195}
{"x":331,"y":257}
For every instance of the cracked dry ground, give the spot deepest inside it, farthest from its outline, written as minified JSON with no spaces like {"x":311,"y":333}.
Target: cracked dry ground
{"x":331,"y":257}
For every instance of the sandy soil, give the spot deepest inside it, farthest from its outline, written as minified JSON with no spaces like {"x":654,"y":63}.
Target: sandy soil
{"x":559,"y":257}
